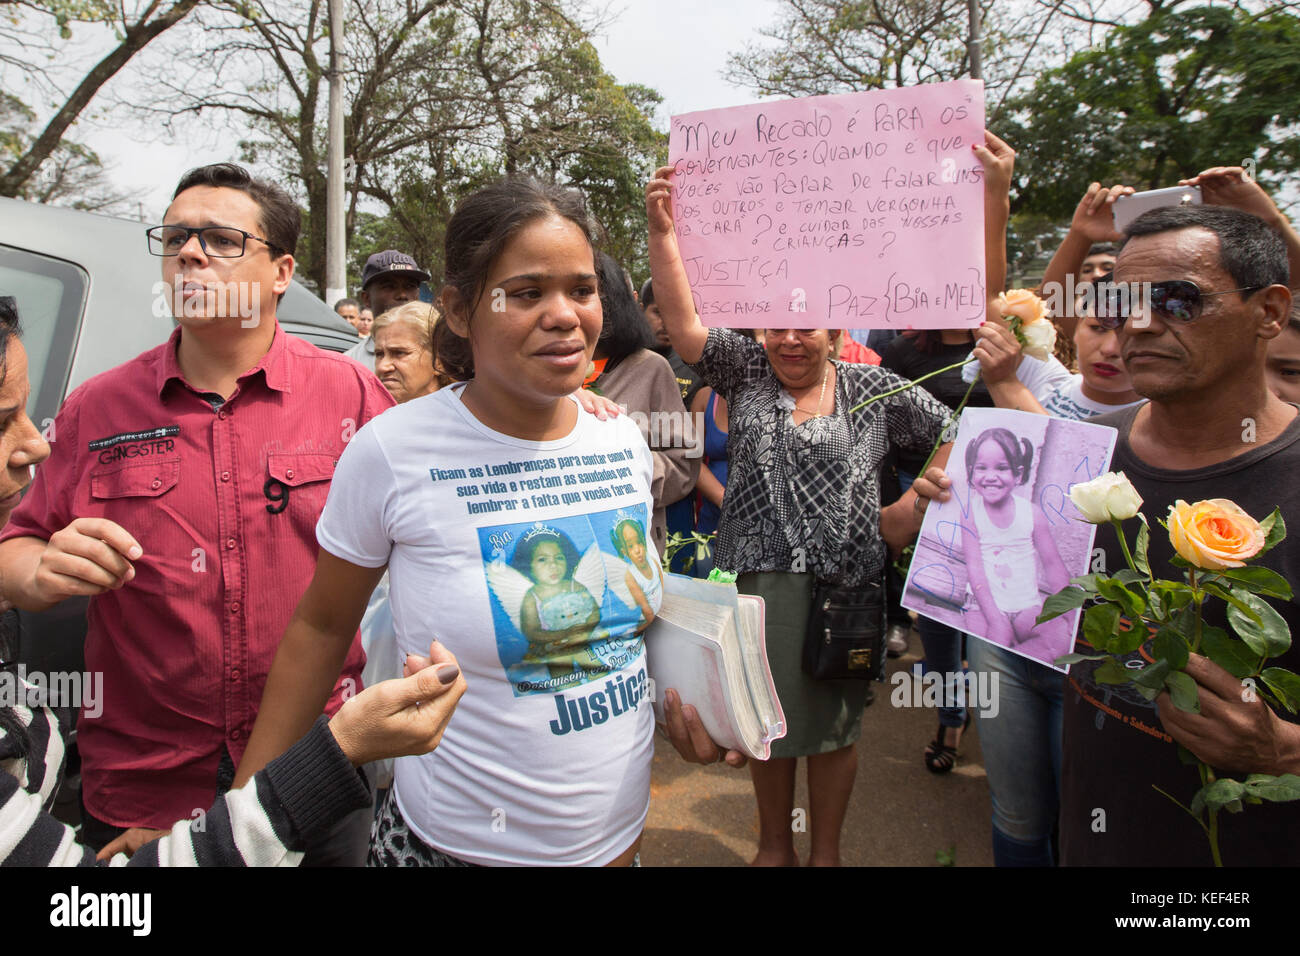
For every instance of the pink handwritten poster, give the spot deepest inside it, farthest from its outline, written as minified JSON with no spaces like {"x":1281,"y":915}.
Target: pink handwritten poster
{"x":863,"y":210}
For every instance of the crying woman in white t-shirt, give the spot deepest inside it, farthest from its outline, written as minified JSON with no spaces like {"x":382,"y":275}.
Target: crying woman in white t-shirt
{"x":503,"y":513}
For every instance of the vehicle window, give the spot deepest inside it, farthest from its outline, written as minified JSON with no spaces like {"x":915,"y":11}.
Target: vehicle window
{"x":51,"y":296}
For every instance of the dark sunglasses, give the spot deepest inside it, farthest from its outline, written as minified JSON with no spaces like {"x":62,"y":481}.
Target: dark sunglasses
{"x":1176,"y":300}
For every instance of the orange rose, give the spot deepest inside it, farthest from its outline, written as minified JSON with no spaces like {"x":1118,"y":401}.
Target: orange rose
{"x":1214,"y":534}
{"x":1023,"y":304}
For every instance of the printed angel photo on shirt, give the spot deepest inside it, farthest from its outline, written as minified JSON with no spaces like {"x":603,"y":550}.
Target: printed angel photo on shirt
{"x":644,"y":577}
{"x":1000,"y":544}
{"x":554,"y":597}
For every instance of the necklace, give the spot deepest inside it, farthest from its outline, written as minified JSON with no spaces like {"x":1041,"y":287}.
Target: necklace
{"x":821,"y":398}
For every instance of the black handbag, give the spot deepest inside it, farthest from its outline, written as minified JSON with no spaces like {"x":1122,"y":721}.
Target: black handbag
{"x":845,"y":639}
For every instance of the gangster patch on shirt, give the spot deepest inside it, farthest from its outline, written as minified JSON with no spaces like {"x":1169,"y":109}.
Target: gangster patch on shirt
{"x":143,"y":443}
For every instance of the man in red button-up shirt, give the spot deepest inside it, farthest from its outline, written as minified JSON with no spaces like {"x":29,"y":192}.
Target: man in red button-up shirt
{"x":182,"y":494}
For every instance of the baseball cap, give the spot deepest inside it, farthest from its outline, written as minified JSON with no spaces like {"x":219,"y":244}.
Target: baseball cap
{"x":388,"y":262}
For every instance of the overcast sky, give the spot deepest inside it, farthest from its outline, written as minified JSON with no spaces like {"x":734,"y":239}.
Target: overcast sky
{"x":679,"y":47}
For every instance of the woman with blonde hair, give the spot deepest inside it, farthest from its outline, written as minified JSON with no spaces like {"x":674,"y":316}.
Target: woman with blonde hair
{"x":404,"y":351}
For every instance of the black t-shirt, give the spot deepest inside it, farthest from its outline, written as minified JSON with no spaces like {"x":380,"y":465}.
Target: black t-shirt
{"x":1115,"y":748}
{"x":902,"y":356}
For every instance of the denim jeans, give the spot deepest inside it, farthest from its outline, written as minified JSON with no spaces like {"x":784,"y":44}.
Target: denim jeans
{"x":1022,"y":753}
{"x":942,"y":646}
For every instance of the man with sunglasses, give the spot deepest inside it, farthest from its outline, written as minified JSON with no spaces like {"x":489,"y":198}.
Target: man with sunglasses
{"x":1203,"y":291}
{"x":182,"y":496}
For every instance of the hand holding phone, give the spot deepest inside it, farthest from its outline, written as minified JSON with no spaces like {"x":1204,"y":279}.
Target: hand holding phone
{"x":1128,"y":208}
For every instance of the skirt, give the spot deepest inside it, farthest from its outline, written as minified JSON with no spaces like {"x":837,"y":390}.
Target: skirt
{"x":820,"y":715}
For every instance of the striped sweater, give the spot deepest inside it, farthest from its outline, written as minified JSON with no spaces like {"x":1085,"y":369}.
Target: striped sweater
{"x":267,"y":822}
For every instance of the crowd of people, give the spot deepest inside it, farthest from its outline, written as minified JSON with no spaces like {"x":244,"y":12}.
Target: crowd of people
{"x":357,"y":533}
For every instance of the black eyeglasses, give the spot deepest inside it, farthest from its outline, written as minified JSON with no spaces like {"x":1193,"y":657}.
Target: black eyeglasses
{"x":1176,"y":300}
{"x":219,"y":242}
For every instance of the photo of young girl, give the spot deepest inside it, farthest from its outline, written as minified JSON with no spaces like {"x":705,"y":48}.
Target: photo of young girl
{"x":557,"y":614}
{"x":1001,"y":546}
{"x":644,"y":578}
{"x":1009,"y":537}
{"x":570,"y":602}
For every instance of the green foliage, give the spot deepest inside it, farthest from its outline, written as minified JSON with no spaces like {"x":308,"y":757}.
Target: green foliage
{"x":443,"y":97}
{"x":1284,"y":684}
{"x":1101,"y":625}
{"x":1274,"y":529}
{"x":1063,"y":602}
{"x":1131,"y":604}
{"x":1230,"y":654}
{"x":1160,"y":100}
{"x":701,"y":543}
{"x":1169,"y":645}
{"x":1263,"y":629}
{"x":1182,"y":690}
{"x":840,"y":46}
{"x":1259,"y":581}
{"x":72,"y":175}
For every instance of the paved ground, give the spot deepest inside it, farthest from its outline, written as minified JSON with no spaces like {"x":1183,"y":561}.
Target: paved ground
{"x":900,"y":813}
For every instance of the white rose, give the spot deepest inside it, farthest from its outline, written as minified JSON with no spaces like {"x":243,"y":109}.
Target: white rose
{"x":1110,"y":497}
{"x":1040,"y":339}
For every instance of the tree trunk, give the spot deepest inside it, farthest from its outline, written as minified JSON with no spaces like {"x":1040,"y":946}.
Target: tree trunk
{"x":137,"y":38}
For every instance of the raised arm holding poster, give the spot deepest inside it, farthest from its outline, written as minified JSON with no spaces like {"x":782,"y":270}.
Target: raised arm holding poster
{"x":863,"y":210}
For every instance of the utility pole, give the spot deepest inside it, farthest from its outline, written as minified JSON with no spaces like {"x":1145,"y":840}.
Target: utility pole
{"x":973,"y":44}
{"x":335,"y":229}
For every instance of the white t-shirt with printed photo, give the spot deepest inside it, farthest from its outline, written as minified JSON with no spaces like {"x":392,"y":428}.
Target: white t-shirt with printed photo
{"x":519,"y":557}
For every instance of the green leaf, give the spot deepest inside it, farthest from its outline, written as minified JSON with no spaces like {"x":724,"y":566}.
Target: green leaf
{"x":1100,"y":625}
{"x":1271,"y":636}
{"x":1284,"y":684}
{"x":1153,"y":675}
{"x":1221,"y":793}
{"x":1062,"y":602}
{"x":1179,"y":561}
{"x":1150,"y":693}
{"x":1128,"y":576}
{"x":1170,"y":646}
{"x":1228,"y":652}
{"x":1065,"y":660}
{"x":1274,"y":529}
{"x":1112,"y":671}
{"x":1156,"y":606}
{"x":1131,"y":603}
{"x":1232,"y":598}
{"x":1182,"y":691}
{"x":1186,"y":757}
{"x":1086,"y":581}
{"x":1259,"y":581}
{"x":1140,"y":549}
{"x":1132,"y":635}
{"x":1281,"y":789}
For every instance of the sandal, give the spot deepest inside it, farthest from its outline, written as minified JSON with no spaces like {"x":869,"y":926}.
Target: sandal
{"x":939,"y":757}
